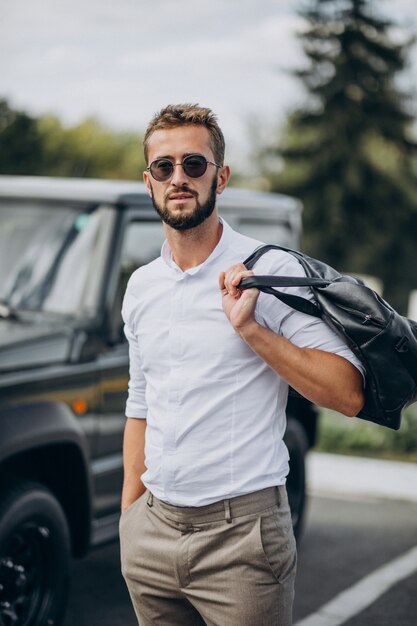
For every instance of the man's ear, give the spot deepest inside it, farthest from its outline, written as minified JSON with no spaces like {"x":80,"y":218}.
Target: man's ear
{"x":146,"y":180}
{"x":222,"y":178}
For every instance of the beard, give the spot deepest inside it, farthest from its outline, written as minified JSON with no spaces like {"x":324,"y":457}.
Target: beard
{"x":188,"y":220}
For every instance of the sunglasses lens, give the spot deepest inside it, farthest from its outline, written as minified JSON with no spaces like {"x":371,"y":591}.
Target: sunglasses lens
{"x":194,"y":165}
{"x":161,"y":169}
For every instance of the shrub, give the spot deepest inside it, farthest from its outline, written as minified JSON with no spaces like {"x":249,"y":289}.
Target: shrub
{"x":353,"y":436}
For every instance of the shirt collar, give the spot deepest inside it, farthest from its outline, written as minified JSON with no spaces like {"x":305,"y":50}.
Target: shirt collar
{"x":223,"y":244}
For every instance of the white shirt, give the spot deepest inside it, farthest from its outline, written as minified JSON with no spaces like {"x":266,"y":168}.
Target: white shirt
{"x":215,"y":411}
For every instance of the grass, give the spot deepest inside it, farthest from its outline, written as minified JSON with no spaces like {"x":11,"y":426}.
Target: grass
{"x":343,"y":435}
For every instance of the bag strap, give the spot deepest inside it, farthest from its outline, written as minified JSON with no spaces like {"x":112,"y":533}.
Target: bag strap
{"x":266,"y":284}
{"x":256,"y":254}
{"x":295,"y":302}
{"x":258,"y":280}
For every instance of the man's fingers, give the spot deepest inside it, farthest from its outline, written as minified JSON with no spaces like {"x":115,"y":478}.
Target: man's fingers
{"x":232,"y":277}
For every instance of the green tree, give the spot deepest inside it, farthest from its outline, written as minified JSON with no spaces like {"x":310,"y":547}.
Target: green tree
{"x":44,"y":146}
{"x":349,"y":154}
{"x":20,"y":142}
{"x":89,"y":150}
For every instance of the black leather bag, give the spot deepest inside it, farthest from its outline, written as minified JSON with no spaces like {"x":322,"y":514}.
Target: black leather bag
{"x":384,"y":341}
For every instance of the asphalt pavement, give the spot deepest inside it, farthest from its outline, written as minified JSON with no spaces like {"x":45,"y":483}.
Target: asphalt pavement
{"x":350,"y":563}
{"x":371,"y":507}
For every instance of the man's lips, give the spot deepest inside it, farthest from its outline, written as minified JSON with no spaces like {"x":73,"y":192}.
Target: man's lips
{"x":180,"y":196}
{"x":180,"y":199}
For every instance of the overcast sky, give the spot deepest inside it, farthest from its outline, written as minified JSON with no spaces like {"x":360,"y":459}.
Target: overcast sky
{"x":122,"y":60}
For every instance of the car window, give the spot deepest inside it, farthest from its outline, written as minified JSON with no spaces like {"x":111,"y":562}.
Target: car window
{"x":52,"y":256}
{"x":141,"y":244}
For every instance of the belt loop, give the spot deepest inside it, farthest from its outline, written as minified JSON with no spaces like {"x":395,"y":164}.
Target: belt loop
{"x":278,"y":496}
{"x":227,"y":511}
{"x":149,"y":501}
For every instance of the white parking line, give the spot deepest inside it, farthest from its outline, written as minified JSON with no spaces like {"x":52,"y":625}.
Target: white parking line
{"x":361,"y":595}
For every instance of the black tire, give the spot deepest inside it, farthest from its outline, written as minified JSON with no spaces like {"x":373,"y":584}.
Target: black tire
{"x":296,"y":442}
{"x":34,"y":557}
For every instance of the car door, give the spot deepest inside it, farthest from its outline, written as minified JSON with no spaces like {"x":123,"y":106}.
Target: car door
{"x":140,"y":243}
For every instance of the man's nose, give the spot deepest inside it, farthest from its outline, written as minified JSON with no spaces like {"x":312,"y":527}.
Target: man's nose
{"x":179,"y":177}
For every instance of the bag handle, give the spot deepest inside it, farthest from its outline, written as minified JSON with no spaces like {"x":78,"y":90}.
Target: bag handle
{"x":266,"y":284}
{"x":258,"y":280}
{"x":295,"y":302}
{"x":256,"y":254}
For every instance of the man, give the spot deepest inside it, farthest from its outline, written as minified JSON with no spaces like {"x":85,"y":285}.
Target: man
{"x":206,"y":534}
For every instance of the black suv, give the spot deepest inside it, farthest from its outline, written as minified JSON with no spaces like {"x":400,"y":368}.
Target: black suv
{"x":67,"y":249}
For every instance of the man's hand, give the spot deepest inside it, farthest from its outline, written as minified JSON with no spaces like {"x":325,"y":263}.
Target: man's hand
{"x":239,"y":306}
{"x":133,"y":461}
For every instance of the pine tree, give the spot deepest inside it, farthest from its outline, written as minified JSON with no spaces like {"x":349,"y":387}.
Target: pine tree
{"x":349,"y":154}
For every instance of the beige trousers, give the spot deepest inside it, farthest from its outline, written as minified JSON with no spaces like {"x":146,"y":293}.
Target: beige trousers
{"x":231,"y":563}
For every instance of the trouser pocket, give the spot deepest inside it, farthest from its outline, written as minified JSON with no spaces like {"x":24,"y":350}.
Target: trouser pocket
{"x":276,"y":544}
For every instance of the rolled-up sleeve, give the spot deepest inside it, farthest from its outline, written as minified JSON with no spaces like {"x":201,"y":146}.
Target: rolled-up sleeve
{"x":136,"y":402}
{"x":302,"y":330}
{"x":314,"y":333}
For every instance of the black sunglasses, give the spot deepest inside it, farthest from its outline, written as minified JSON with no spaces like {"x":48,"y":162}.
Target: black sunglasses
{"x":194,"y":166}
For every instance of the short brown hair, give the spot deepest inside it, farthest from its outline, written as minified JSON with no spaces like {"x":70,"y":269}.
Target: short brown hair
{"x":175,"y":115}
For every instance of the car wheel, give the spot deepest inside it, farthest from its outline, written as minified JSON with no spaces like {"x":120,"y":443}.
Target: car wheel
{"x":296,"y":442}
{"x":34,"y":557}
